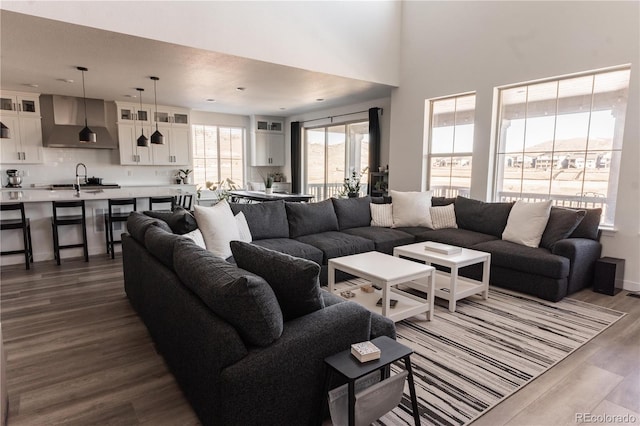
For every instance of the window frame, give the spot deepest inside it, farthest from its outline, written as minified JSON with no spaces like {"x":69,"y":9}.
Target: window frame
{"x":218,"y":158}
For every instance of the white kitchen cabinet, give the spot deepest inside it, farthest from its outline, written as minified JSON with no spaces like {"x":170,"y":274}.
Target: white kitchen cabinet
{"x":130,"y":153}
{"x":173,"y":116}
{"x":132,"y":113}
{"x":268,"y":149}
{"x":20,"y":113}
{"x":175,"y":150}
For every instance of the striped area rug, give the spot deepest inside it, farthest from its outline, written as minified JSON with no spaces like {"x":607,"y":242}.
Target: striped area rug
{"x":468,"y":361}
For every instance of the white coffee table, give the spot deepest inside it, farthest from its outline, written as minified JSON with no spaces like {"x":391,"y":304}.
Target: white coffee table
{"x":451,"y":286}
{"x":386,"y":272}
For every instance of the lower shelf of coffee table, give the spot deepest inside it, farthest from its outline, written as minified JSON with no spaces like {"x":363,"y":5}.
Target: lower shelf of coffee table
{"x":408,"y":305}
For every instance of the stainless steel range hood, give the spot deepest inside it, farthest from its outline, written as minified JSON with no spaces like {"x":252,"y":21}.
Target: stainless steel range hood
{"x":63,"y":118}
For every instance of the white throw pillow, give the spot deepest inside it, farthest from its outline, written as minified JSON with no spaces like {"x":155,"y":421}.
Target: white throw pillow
{"x":218,"y":226}
{"x":411,"y":208}
{"x":526,"y":223}
{"x":382,"y":215}
{"x":196,"y":237}
{"x":243,"y":228}
{"x":443,"y":216}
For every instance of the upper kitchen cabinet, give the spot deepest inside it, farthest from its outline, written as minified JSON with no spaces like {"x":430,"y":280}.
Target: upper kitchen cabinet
{"x":173,"y":123}
{"x":20,"y":117}
{"x":175,"y":150}
{"x":268,"y":144}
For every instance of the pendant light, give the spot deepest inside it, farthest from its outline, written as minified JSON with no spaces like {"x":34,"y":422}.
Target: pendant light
{"x":142,"y":140}
{"x":86,"y":134}
{"x":156,"y":137}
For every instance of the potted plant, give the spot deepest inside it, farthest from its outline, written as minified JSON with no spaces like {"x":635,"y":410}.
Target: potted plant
{"x":268,"y":183}
{"x":351,"y":185}
{"x":184,"y":175}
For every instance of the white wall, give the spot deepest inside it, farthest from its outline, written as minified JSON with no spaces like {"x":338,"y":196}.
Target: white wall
{"x":455,"y":47}
{"x":353,"y":39}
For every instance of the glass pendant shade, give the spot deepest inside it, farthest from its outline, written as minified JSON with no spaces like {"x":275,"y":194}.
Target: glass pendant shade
{"x":86,"y":135}
{"x":142,"y":139}
{"x":157,"y":137}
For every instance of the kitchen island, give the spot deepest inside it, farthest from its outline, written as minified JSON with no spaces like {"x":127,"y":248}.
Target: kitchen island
{"x":38,"y":209}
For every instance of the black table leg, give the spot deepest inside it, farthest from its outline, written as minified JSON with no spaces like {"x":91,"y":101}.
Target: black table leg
{"x":412,"y":391}
{"x":325,"y":393}
{"x":352,"y":403}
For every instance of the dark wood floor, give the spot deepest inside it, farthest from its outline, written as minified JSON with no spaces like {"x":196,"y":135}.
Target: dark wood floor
{"x":78,"y":354}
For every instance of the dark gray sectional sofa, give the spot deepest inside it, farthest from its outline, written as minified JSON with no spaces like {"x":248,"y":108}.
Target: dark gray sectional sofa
{"x":238,"y":359}
{"x":339,"y":227}
{"x":230,"y":374}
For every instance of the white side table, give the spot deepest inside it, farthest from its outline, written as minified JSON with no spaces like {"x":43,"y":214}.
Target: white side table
{"x":450,"y":286}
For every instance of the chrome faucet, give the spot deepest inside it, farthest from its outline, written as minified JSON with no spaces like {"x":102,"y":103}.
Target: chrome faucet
{"x":77,"y":185}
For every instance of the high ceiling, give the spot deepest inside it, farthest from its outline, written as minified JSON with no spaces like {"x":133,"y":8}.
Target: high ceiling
{"x":43,"y":52}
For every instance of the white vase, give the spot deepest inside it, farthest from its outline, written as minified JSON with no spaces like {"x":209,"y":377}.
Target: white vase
{"x":268,"y":191}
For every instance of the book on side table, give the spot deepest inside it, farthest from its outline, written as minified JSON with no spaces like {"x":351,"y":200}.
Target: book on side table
{"x":441,"y":248}
{"x":365,"y":351}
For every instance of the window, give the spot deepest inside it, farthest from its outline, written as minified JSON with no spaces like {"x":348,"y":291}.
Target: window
{"x":332,"y":153}
{"x":450,"y":145}
{"x":561,"y":140}
{"x":218,"y":154}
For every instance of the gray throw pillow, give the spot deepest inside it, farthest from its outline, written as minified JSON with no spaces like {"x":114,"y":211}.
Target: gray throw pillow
{"x":265,"y":220}
{"x":294,"y":280}
{"x":478,"y":216}
{"x":137,"y":224}
{"x":562,"y":222}
{"x":352,"y":212}
{"x":180,"y":220}
{"x":589,"y":227}
{"x":311,"y":218}
{"x":239,"y":297}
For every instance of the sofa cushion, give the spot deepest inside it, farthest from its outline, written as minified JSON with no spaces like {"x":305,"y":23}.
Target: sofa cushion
{"x":265,"y":220}
{"x":441,"y":201}
{"x":293,"y":248}
{"x":160,"y":244}
{"x":526,"y":222}
{"x":588,"y":227}
{"x":336,"y":244}
{"x":294,"y":280}
{"x":486,"y":218}
{"x":352,"y":212}
{"x":414,"y":230}
{"x":411,"y":208}
{"x":196,"y":237}
{"x":443,"y":217}
{"x":532,"y":260}
{"x":218,"y":226}
{"x":137,"y":224}
{"x":180,"y":220}
{"x":385,"y":239}
{"x":381,"y":215}
{"x":311,"y":218}
{"x":562,"y":222}
{"x":243,"y":228}
{"x":456,"y":237}
{"x":239,"y":297}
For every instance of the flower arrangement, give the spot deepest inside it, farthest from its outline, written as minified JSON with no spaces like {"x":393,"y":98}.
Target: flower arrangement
{"x":351,"y":185}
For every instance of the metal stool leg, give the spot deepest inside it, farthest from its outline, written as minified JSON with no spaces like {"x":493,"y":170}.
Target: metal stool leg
{"x":412,"y":391}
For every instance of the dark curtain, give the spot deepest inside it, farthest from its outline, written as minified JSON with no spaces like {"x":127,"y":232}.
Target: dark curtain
{"x":374,"y":139}
{"x":296,"y":158}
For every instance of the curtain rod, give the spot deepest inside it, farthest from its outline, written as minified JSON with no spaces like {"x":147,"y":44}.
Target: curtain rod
{"x":339,"y":115}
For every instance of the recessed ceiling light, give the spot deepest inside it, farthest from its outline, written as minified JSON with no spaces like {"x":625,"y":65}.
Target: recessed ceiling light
{"x":130,"y":96}
{"x":241,"y":89}
{"x":32,"y":85}
{"x":210,"y":100}
{"x":320,"y":100}
{"x":66,"y":80}
{"x":282,"y":108}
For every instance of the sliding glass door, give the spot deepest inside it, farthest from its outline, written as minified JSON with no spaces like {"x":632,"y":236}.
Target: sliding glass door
{"x":331,"y":154}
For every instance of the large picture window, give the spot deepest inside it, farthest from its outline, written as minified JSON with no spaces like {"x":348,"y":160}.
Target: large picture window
{"x":450,"y":145}
{"x":561,"y":140}
{"x":218,"y":154}
{"x":331,"y":154}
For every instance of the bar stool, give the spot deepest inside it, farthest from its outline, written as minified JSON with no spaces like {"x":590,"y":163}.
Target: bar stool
{"x":185,"y":201}
{"x":112,"y":217}
{"x":22,"y":223}
{"x":162,"y":200}
{"x":73,"y":219}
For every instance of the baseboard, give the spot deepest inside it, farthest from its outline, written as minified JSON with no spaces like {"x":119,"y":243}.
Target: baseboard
{"x":630,"y":285}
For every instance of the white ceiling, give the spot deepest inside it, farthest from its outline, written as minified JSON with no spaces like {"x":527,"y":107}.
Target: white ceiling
{"x":43,"y":52}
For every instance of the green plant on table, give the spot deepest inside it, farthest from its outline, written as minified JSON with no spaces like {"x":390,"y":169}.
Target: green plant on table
{"x":351,"y":185}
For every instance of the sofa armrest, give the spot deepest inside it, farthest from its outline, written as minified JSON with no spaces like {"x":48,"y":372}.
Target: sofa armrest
{"x":582,"y":254}
{"x":283,"y":383}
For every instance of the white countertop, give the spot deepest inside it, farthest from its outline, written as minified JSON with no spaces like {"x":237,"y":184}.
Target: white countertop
{"x":39,"y":195}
